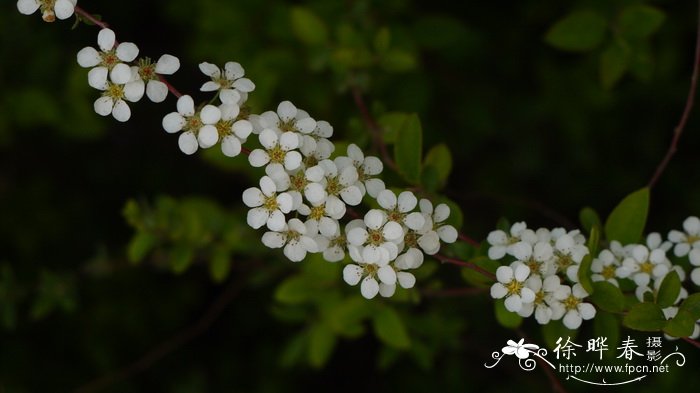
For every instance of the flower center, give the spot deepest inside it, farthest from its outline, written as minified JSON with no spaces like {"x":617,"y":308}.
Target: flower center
{"x":277,"y":154}
{"x":270,"y":203}
{"x":193,"y":123}
{"x":646,"y":267}
{"x":310,"y":161}
{"x":47,"y":7}
{"x":375,"y":237}
{"x":333,"y":186}
{"x":692,"y":239}
{"x":114,"y":91}
{"x":370,"y":269}
{"x":298,"y":181}
{"x":514,"y":287}
{"x":396,"y":215}
{"x":110,"y":59}
{"x":563,"y":262}
{"x":317,"y":212}
{"x":147,"y":70}
{"x":571,"y":302}
{"x":293,"y":236}
{"x":534,"y":265}
{"x":608,"y":272}
{"x":285,"y":126}
{"x":339,"y":241}
{"x":539,"y":297}
{"x":411,"y":239}
{"x":223,"y":127}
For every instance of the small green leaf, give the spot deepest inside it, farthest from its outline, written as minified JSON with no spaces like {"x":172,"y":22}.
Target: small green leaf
{"x":294,"y":290}
{"x":391,"y":124}
{"x":682,"y":325}
{"x":181,"y":257}
{"x":140,"y":245}
{"x":220,"y":265}
{"x":607,"y":325}
{"x":408,"y":149}
{"x":626,"y":222}
{"x":640,"y":21}
{"x":579,"y":31}
{"x":692,"y":305}
{"x":308,"y":27}
{"x":382,"y":40}
{"x":584,"y":274}
{"x":614,"y":62}
{"x":390,"y":329}
{"x":646,"y":317}
{"x":506,"y":318}
{"x":321,"y":344}
{"x":589,"y":219}
{"x":396,"y":60}
{"x":669,"y":290}
{"x":437,"y":166}
{"x":607,"y":296}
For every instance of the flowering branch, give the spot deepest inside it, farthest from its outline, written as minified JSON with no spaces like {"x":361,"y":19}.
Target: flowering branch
{"x":686,"y":111}
{"x":467,"y":264}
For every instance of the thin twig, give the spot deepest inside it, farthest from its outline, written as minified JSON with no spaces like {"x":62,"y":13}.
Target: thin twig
{"x":694,"y":342}
{"x":170,"y":345}
{"x":467,"y":264}
{"x":468,"y":240}
{"x":374,"y":128}
{"x":686,"y":112}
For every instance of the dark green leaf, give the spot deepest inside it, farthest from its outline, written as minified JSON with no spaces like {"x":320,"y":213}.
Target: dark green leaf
{"x":408,"y":149}
{"x":390,"y":329}
{"x":614,"y":62}
{"x":181,"y":257}
{"x":321,"y":344}
{"x":140,"y":245}
{"x":308,"y":27}
{"x":646,"y":317}
{"x":552,"y":331}
{"x":589,"y":218}
{"x":294,"y":290}
{"x":692,"y":305}
{"x":506,"y":318}
{"x":682,"y":325}
{"x":578,"y":32}
{"x":391,"y":124}
{"x":396,"y":60}
{"x":607,"y":325}
{"x":220,"y":265}
{"x":626,"y":222}
{"x":382,"y":40}
{"x":669,"y":290}
{"x":607,"y":296}
{"x":640,"y":21}
{"x":437,"y":166}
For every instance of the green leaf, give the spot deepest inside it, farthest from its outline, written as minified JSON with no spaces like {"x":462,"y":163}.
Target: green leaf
{"x":579,"y":31}
{"x":477,"y":279}
{"x":646,"y":317}
{"x":584,"y":274}
{"x":607,"y":325}
{"x":294,"y":290}
{"x":608,"y":297}
{"x":589,"y":219}
{"x":408,"y":149}
{"x":682,"y":325}
{"x":139,"y":246}
{"x":506,"y":318}
{"x":321,"y":344}
{"x":397,"y":60}
{"x":308,"y":27}
{"x":181,"y":257}
{"x":382,"y":40}
{"x":437,"y":166}
{"x":391,"y":124}
{"x":692,"y":305}
{"x":669,"y":290}
{"x":554,"y":330}
{"x":626,"y":222}
{"x":614,"y":62}
{"x":639,"y":21}
{"x":346,"y":318}
{"x":389,"y":328}
{"x":220,"y":265}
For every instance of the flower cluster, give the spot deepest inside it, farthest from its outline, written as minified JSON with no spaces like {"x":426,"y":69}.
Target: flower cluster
{"x":532,"y":283}
{"x":50,"y":9}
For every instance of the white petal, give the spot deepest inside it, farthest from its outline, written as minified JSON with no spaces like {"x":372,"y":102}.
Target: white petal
{"x":103,"y":106}
{"x":257,"y":217}
{"x":173,"y":122}
{"x":185,"y":105}
{"x":306,"y":125}
{"x":276,"y":221}
{"x":274,"y":239}
{"x":89,"y":57}
{"x":357,"y":236}
{"x":286,"y":111}
{"x":97,"y":78}
{"x":207,"y":136}
{"x":387,"y":290}
{"x":268,"y":138}
{"x":121,"y":111}
{"x":315,"y":193}
{"x":374,"y":186}
{"x":253,"y":197}
{"x":210,"y":70}
{"x":156,"y":91}
{"x":210,"y":86}
{"x":504,"y":274}
{"x":429,"y":242}
{"x":106,"y":39}
{"x":415,"y":221}
{"x":387,"y":275}
{"x":167,"y":65}
{"x":407,"y":201}
{"x":230,"y":146}
{"x":442,"y":212}
{"x":127,"y":51}
{"x":372,"y":166}
{"x":406,"y":280}
{"x":267,"y":186}
{"x":233,"y":70}
{"x":369,"y":288}
{"x":387,"y":199}
{"x":210,"y":114}
{"x":692,"y":225}
{"x":392,"y":231}
{"x":498,"y":291}
{"x":513,"y":303}
{"x":258,"y":158}
{"x":27,"y":7}
{"x":289,"y":140}
{"x":64,"y":9}
{"x":285,"y":202}
{"x":352,"y":274}
{"x":572,"y":320}
{"x":133,"y":91}
{"x":244,"y":85}
{"x":242,"y":128}
{"x":527,"y":295}
{"x":586,"y":310}
{"x":521,"y":272}
{"x":292,"y":160}
{"x":351,"y":195}
{"x":188,"y":143}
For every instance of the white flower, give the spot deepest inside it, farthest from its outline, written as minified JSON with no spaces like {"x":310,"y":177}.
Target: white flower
{"x":511,"y":285}
{"x":288,"y":118}
{"x":294,"y":238}
{"x":114,"y":97}
{"x":538,"y":257}
{"x":576,"y":310}
{"x":268,"y":206}
{"x":434,"y":230}
{"x":378,"y":236}
{"x":157,"y":90}
{"x":50,"y":9}
{"x":318,"y":220}
{"x":545,"y":306}
{"x":412,"y":258}
{"x":654,"y":240}
{"x":568,"y":254}
{"x":685,"y":240}
{"x":501,"y":242}
{"x":367,"y":167}
{"x":198,"y":127}
{"x":644,"y":265}
{"x":694,"y":257}
{"x":605,"y":267}
{"x":399,"y":209}
{"x":109,"y":62}
{"x":334,"y":251}
{"x":278,"y":148}
{"x":340,"y":187}
{"x":353,"y":273}
{"x":301,"y":181}
{"x":405,"y":279}
{"x":233,"y":87}
{"x":234,"y":131}
{"x":321,"y":148}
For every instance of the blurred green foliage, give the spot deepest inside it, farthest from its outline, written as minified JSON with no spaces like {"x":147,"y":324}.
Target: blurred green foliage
{"x":112,"y":241}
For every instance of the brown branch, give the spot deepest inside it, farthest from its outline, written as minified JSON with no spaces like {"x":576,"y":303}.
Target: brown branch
{"x":468,"y":240}
{"x":374,"y":128}
{"x":467,"y":264}
{"x":170,"y":345}
{"x":694,"y":342}
{"x":686,"y":112}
